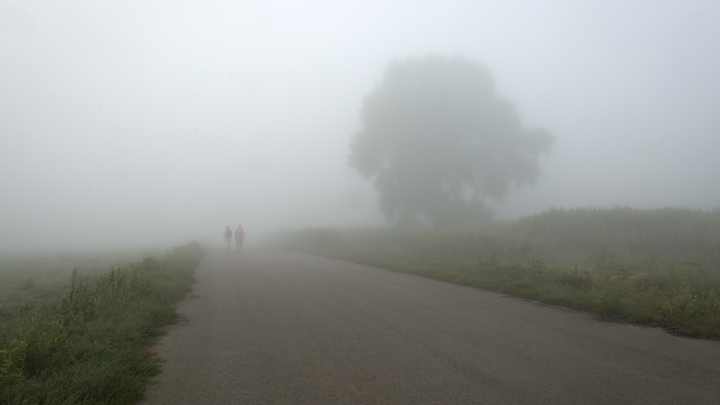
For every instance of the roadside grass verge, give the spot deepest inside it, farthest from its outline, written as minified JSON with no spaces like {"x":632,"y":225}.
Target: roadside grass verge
{"x":30,"y":280}
{"x":661,"y":268}
{"x":91,"y":346}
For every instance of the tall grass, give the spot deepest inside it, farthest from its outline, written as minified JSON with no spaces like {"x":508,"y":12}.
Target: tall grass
{"x":656,"y":235}
{"x":28,"y":281}
{"x":655,"y":267}
{"x":90,"y":347}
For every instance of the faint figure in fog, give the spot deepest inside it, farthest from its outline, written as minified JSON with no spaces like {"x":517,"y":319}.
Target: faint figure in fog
{"x":239,"y":237}
{"x":228,"y":238}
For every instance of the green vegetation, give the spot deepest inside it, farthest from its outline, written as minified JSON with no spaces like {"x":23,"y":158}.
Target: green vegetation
{"x":656,"y":267}
{"x":90,"y":346}
{"x":28,"y":281}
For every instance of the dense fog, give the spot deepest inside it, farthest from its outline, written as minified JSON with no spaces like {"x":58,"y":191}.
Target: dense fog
{"x":138,"y":124}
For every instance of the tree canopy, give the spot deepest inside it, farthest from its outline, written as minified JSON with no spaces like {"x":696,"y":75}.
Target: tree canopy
{"x":437,"y":139}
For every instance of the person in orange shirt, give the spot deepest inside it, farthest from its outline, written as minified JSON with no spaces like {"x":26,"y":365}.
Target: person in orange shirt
{"x":239,"y":237}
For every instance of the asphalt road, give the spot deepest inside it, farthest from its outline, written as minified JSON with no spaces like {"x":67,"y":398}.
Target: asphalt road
{"x":285,"y":328}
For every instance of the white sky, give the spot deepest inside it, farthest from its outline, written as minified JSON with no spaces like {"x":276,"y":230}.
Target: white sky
{"x":157,"y":122}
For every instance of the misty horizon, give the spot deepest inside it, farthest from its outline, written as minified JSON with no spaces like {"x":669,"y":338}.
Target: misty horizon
{"x":152,"y":124}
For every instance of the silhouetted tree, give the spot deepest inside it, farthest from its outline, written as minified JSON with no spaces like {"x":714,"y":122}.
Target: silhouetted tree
{"x":436,"y":138}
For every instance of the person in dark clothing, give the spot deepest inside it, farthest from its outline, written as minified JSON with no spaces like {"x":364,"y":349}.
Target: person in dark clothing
{"x":228,"y":238}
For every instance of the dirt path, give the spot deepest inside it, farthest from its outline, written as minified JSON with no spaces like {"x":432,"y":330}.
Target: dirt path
{"x":281,"y":328}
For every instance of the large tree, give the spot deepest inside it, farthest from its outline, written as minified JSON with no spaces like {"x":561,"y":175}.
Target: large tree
{"x":437,"y":139}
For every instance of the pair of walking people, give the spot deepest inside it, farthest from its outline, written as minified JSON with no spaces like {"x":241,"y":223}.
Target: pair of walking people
{"x":239,"y":237}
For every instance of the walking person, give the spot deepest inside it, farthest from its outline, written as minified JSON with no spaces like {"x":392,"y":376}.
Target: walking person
{"x":239,"y":237}
{"x":228,"y":238}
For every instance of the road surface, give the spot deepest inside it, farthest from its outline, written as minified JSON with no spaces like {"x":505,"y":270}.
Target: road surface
{"x":286,"y":328}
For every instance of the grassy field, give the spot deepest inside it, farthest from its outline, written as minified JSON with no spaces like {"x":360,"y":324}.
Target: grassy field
{"x":86,"y":341}
{"x":28,"y":281}
{"x":654,"y":267}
